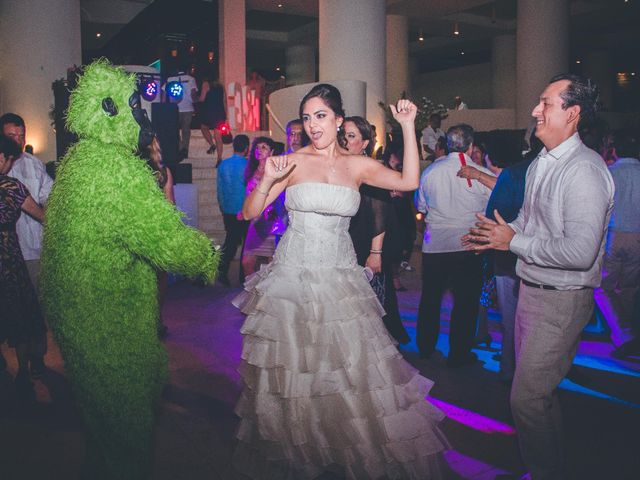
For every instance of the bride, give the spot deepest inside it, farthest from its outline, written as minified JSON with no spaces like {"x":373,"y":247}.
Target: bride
{"x":325,"y":388}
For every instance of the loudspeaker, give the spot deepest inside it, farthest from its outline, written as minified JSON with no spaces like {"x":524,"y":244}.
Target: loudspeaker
{"x":164,"y":119}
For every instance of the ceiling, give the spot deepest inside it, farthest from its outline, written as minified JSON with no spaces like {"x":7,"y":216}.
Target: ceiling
{"x":272,"y":25}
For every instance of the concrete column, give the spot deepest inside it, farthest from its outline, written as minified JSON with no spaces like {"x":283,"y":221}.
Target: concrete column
{"x":352,"y":47}
{"x":597,"y":67}
{"x":232,"y":41}
{"x":542,"y":50}
{"x":40,"y":40}
{"x":503,"y":71}
{"x":397,"y":57}
{"x":301,"y":64}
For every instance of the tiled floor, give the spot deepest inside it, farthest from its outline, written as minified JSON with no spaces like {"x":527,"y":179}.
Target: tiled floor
{"x":601,"y":403}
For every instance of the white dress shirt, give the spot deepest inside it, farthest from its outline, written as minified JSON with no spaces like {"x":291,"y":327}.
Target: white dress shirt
{"x":430,"y":136}
{"x":560,"y":231}
{"x":30,"y":171}
{"x":449,"y":203}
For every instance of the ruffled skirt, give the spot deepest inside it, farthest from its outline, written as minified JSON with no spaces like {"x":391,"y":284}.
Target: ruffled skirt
{"x":326,"y":389}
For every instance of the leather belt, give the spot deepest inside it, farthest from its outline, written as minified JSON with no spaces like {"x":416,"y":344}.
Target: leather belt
{"x":538,"y":285}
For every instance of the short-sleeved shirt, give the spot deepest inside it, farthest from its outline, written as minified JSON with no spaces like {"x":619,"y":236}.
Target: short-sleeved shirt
{"x":189,"y":84}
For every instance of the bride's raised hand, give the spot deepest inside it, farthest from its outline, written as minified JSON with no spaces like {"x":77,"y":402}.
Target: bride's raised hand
{"x":404,"y":111}
{"x":278,"y":167}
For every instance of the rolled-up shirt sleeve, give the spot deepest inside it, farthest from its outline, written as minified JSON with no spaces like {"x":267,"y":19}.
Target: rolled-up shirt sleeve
{"x":420,"y":197}
{"x":585,"y":205}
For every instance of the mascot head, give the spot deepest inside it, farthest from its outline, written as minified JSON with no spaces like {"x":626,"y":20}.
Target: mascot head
{"x":105,"y":106}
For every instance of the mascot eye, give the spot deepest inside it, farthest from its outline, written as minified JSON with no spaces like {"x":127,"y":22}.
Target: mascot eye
{"x":109,"y":107}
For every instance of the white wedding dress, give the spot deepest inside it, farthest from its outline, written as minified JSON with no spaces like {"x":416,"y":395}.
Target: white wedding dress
{"x":325,"y":388}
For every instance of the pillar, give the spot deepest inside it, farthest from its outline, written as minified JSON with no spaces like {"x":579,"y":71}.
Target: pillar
{"x":301,"y":64}
{"x":40,"y":41}
{"x":352,"y":47}
{"x":503,"y":71}
{"x":397,"y":57}
{"x":232,"y":41}
{"x":542,"y":50}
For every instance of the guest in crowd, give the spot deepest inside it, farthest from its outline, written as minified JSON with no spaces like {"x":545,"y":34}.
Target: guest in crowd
{"x":296,"y":138}
{"x":559,"y":238}
{"x":231,"y":187}
{"x":368,"y":228}
{"x":260,"y":242}
{"x":430,"y":136}
{"x":21,"y":322}
{"x":213,"y":114}
{"x":398,"y":245}
{"x":441,"y":149}
{"x":185,"y":108}
{"x":449,"y":204}
{"x":504,"y":153}
{"x":164,"y":179}
{"x":621,"y":264}
{"x":31,"y":171}
{"x":458,"y":104}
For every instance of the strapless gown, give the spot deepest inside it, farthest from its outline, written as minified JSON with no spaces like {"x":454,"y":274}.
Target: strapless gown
{"x":325,"y":388}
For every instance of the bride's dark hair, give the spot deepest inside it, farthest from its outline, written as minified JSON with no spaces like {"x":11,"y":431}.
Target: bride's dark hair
{"x":329,"y":94}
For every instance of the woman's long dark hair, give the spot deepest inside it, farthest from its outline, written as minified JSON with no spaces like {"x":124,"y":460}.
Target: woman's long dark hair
{"x":329,"y":94}
{"x":253,"y":163}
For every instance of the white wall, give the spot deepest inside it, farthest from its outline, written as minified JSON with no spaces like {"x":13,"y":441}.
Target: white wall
{"x":472,"y":83}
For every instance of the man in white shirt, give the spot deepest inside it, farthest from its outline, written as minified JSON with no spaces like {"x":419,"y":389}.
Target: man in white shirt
{"x":430,"y":136}
{"x":559,"y":238}
{"x":185,"y":109}
{"x":30,"y":171}
{"x":450,"y":204}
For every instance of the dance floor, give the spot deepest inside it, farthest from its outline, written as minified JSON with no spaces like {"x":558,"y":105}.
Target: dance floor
{"x":195,"y":428}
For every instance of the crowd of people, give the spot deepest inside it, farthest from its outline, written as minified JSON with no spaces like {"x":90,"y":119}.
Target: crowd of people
{"x":325,"y":230}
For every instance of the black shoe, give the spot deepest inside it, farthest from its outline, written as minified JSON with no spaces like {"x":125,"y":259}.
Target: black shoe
{"x":37,"y":367}
{"x":462,"y":360}
{"x":212,"y":149}
{"x":24,"y":387}
{"x":486,"y":340}
{"x":402,"y":338}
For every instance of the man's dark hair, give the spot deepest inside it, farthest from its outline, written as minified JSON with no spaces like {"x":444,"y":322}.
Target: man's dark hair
{"x":240,"y":143}
{"x":459,"y":137}
{"x":435,"y":117}
{"x":626,"y":143}
{"x":581,"y":92}
{"x":9,"y":148}
{"x":504,"y":147}
{"x":11,"y":118}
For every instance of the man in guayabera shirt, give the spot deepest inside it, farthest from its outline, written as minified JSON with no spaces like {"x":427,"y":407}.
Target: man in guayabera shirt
{"x":559,"y":238}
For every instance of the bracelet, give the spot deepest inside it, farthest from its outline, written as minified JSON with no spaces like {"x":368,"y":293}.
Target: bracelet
{"x":375,"y":251}
{"x":260,"y":191}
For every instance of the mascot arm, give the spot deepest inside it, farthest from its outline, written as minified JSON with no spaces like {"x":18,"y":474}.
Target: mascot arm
{"x":152,"y":229}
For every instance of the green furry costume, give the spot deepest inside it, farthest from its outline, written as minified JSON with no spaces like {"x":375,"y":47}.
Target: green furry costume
{"x":108,"y":227}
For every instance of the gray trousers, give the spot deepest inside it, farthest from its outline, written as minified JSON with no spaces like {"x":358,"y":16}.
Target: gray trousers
{"x":548,"y":328}
{"x":184,"y":119}
{"x":508,"y":288}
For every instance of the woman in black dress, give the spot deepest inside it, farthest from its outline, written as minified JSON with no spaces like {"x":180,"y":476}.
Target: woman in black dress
{"x":369,"y":225}
{"x":21,"y":322}
{"x":213,"y":115}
